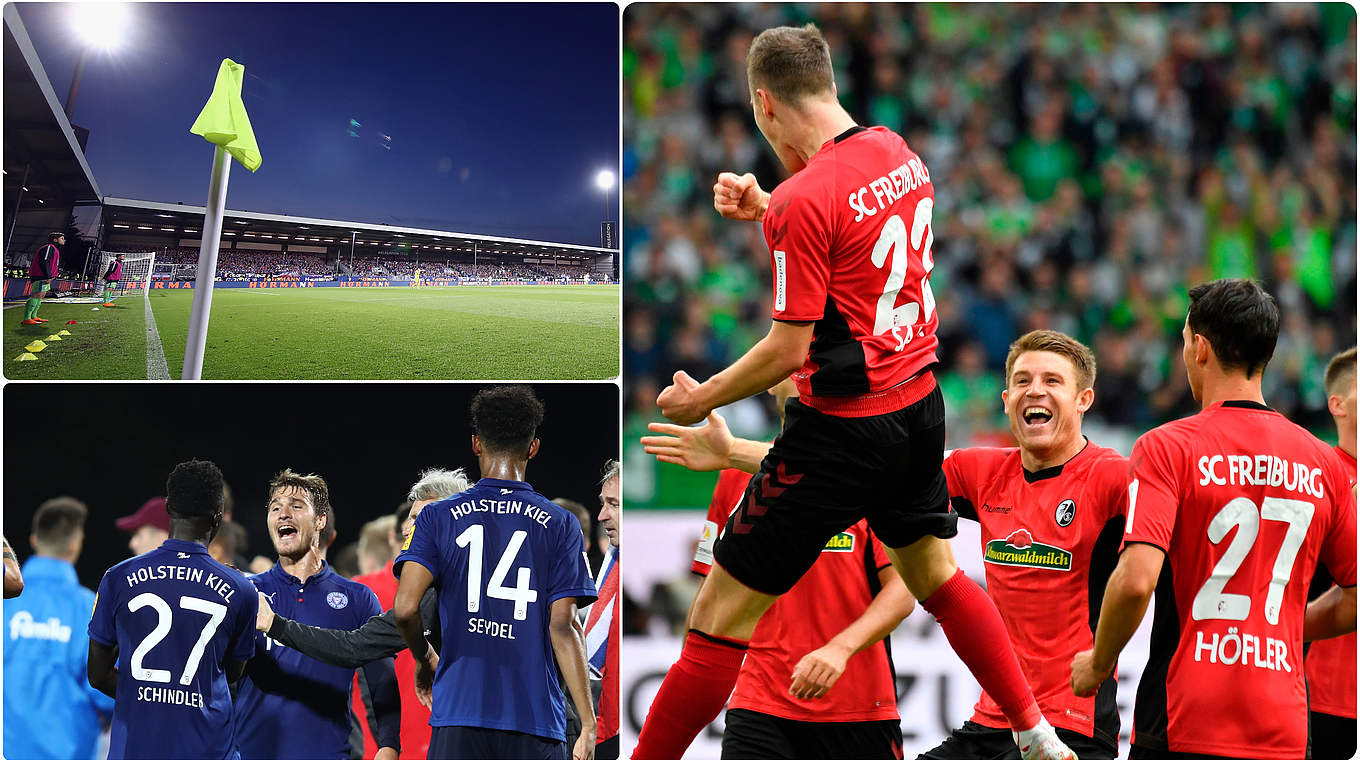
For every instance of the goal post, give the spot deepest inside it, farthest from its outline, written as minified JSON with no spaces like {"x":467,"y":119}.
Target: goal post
{"x":137,"y":271}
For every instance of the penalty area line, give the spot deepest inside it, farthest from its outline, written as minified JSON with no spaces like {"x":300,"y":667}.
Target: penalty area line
{"x":156,"y":368}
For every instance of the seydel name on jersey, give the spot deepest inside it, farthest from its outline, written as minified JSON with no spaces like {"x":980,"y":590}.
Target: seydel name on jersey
{"x":1260,"y":470}
{"x":888,"y":189}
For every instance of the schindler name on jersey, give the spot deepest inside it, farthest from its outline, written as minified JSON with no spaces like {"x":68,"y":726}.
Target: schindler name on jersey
{"x":1019,"y":548}
{"x":841,"y":542}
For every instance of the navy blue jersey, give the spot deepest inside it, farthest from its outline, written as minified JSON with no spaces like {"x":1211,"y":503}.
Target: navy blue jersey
{"x":177,"y":616}
{"x":290,"y":705}
{"x":500,"y":554}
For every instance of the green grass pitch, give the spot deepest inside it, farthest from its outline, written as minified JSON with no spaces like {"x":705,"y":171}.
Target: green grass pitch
{"x":534,"y":332}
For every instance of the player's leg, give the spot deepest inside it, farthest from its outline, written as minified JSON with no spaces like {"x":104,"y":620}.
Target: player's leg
{"x":35,"y":296}
{"x":1333,"y":736}
{"x":913,"y":523}
{"x":110,"y":292}
{"x":751,"y":735}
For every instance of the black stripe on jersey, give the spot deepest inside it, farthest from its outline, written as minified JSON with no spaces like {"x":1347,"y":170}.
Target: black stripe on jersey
{"x":841,"y":369}
{"x":1241,"y":404}
{"x":964,"y":506}
{"x":1104,"y":557}
{"x":875,"y":586}
{"x":1149,"y":712}
{"x":851,"y":131}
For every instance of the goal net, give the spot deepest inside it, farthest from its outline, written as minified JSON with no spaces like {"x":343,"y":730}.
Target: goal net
{"x":137,"y":271}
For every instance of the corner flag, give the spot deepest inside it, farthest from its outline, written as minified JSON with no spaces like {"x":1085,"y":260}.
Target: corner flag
{"x":223,"y":120}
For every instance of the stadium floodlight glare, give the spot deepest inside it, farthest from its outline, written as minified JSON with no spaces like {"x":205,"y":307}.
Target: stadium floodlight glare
{"x":101,"y":26}
{"x":604,"y":180}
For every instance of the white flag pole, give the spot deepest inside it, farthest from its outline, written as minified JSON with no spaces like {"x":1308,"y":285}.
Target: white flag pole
{"x":207,"y":266}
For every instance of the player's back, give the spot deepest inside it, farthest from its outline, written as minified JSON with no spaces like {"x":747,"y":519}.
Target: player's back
{"x":1257,"y":502}
{"x":850,"y":236}
{"x":177,"y":617}
{"x":501,"y":554}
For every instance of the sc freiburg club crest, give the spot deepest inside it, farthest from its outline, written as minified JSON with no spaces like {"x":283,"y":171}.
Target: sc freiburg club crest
{"x":1065,"y":512}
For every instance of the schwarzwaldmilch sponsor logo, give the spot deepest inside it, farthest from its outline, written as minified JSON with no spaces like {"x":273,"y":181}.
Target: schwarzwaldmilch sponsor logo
{"x":1066,"y":510}
{"x":1019,"y":548}
{"x":841,"y":542}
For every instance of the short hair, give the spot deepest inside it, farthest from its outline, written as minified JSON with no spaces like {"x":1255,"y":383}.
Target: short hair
{"x":579,"y":511}
{"x":373,"y":538}
{"x":1340,"y":370}
{"x":346,"y":561}
{"x":792,"y":63}
{"x":436,"y":483}
{"x":1239,"y":319}
{"x":313,"y":485}
{"x":194,"y":489}
{"x":57,"y":521}
{"x":52,"y":236}
{"x":1083,"y":361}
{"x":612,"y":469}
{"x":231,"y":537}
{"x":506,"y":417}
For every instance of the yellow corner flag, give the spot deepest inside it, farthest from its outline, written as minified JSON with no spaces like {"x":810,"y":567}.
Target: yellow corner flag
{"x":223,"y":120}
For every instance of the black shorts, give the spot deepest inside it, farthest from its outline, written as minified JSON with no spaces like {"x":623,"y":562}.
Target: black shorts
{"x":1332,"y":736}
{"x":977,"y":742}
{"x":826,"y":473}
{"x":752,"y":735}
{"x":474,"y":743}
{"x":1143,"y":753}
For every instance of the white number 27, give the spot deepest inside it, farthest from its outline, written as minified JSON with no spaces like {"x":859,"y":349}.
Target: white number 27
{"x":893,"y":240}
{"x":1211,"y":603}
{"x":215,"y":612}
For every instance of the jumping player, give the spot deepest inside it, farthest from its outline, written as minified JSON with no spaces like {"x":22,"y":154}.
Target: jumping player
{"x":850,"y":238}
{"x":509,"y":569}
{"x":112,"y":276}
{"x":41,"y":273}
{"x":1330,"y":663}
{"x":1229,"y":512}
{"x":171,"y":630}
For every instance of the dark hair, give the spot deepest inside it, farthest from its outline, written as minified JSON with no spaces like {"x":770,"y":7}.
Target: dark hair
{"x":194,"y":489}
{"x":232,"y":538}
{"x":1341,"y":367}
{"x":506,"y":417}
{"x":791,"y":62}
{"x":57,"y":521}
{"x":1240,"y":321}
{"x":52,"y":236}
{"x":403,"y":511}
{"x":318,"y":493}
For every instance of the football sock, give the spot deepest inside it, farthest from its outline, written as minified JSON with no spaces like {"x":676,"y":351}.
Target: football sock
{"x":31,"y":308}
{"x":975,"y":631}
{"x":37,"y":304}
{"x":691,"y":696}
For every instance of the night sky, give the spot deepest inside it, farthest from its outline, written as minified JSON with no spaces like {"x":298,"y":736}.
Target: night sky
{"x":112,"y":445}
{"x":499,"y":116}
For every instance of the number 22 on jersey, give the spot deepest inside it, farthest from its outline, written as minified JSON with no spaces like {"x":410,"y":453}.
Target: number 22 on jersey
{"x":893,"y":250}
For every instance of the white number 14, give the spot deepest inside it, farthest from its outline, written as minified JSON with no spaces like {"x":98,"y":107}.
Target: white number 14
{"x":521,"y":594}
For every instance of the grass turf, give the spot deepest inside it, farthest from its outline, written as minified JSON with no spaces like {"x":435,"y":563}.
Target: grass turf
{"x":109,"y":344}
{"x":539,"y":332}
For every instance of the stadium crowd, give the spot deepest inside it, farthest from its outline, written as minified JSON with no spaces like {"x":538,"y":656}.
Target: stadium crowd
{"x":1090,"y":162}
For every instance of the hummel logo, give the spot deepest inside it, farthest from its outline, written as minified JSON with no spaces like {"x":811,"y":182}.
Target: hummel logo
{"x":989,"y":508}
{"x":505,"y":491}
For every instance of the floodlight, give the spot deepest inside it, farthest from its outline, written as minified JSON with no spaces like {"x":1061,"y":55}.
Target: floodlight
{"x":604,"y":179}
{"x":102,"y":26}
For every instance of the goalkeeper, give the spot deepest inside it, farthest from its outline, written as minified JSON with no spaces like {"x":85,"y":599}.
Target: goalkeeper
{"x":112,"y":276}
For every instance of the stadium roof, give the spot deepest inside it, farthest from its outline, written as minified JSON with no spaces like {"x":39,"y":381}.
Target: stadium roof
{"x":37,"y":133}
{"x":174,"y":221}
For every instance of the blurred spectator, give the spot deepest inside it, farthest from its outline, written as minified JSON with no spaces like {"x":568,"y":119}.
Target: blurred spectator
{"x":149,"y":526}
{"x":375,"y":544}
{"x":1091,"y":162}
{"x":51,"y":711}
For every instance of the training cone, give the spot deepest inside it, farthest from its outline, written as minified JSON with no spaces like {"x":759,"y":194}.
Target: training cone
{"x":71,"y":322}
{"x":64,"y":332}
{"x":95,"y":309}
{"x":25,"y":358}
{"x":54,"y":336}
{"x":35,"y":346}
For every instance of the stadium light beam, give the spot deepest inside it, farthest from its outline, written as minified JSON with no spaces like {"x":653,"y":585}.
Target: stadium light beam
{"x":99,"y":26}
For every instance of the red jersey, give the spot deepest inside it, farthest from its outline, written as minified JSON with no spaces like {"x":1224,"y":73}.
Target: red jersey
{"x":1245,"y":504}
{"x":1330,"y":664}
{"x":1049,"y":542}
{"x":415,"y":717}
{"x":850,"y":245}
{"x":831,"y":596}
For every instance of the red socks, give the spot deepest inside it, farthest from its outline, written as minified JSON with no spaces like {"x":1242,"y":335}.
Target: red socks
{"x":975,"y":631}
{"x":692,"y":694}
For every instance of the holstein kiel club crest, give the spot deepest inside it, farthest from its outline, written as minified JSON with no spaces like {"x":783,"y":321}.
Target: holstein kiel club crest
{"x":1020,"y":548}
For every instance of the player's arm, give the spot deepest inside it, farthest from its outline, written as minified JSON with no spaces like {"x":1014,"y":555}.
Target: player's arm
{"x":569,"y":648}
{"x":1126,"y":600}
{"x":1332,"y":614}
{"x":774,"y":357}
{"x":14,"y":580}
{"x":378,"y":689}
{"x":416,"y":579}
{"x":819,"y":670}
{"x":378,"y":637}
{"x":102,"y":667}
{"x":740,"y":197}
{"x":703,"y":449}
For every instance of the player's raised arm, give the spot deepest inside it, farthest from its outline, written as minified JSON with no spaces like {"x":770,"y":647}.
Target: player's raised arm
{"x":569,"y":648}
{"x":706,"y":448}
{"x":378,"y":637}
{"x":774,"y":357}
{"x":819,"y":670}
{"x":740,"y":197}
